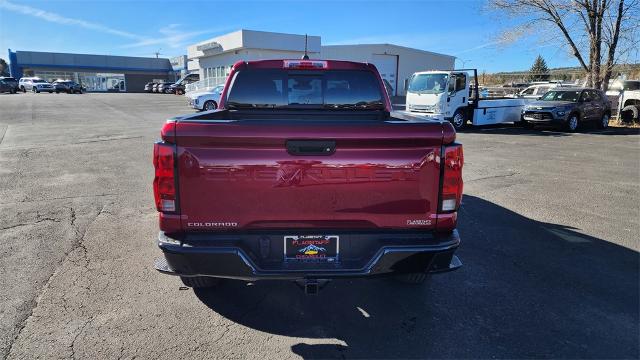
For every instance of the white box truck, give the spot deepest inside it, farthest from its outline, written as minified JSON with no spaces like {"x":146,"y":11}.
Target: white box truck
{"x":448,"y":94}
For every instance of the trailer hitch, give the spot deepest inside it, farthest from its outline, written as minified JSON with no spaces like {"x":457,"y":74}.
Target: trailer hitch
{"x":312,"y":286}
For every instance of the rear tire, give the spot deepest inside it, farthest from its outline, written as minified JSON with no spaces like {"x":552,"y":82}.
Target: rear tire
{"x":412,"y":278}
{"x":630,"y":113}
{"x":604,"y":122}
{"x":199,"y":281}
{"x":23,"y":89}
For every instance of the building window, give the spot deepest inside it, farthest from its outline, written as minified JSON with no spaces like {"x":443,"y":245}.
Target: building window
{"x":103,"y":82}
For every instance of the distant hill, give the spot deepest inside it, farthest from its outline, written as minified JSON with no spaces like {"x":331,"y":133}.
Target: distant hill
{"x":631,"y":71}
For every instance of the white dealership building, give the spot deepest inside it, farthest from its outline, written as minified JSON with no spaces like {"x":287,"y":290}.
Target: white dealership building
{"x":213,"y":58}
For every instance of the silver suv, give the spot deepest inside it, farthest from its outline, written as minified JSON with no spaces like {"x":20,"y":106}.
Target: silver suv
{"x":35,"y":84}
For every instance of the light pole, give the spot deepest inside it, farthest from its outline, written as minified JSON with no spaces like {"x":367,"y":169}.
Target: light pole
{"x":463,"y":61}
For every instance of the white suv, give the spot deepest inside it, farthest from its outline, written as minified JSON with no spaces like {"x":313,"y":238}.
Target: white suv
{"x":35,"y":84}
{"x":205,"y":100}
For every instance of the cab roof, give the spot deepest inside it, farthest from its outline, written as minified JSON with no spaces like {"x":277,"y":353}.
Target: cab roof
{"x":330,"y":64}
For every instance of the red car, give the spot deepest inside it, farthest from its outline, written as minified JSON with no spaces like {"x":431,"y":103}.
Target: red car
{"x":303,"y":173}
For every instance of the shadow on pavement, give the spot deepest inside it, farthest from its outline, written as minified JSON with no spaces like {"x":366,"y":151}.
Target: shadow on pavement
{"x":527,"y":289}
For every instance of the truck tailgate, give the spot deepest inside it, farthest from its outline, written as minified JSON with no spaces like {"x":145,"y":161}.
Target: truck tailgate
{"x":240,"y":175}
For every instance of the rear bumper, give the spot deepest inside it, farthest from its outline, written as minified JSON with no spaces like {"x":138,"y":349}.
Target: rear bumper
{"x":255,"y":256}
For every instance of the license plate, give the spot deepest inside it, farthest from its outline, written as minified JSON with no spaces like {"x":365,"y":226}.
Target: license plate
{"x":311,"y":247}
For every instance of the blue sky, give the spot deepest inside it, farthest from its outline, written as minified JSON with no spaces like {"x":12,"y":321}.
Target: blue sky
{"x":139,"y":28}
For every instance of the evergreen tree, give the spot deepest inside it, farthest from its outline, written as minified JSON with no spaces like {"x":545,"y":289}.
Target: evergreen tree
{"x":539,"y":71}
{"x":4,"y":68}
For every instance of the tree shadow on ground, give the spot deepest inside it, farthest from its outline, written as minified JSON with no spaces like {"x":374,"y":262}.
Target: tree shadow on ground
{"x":527,"y":289}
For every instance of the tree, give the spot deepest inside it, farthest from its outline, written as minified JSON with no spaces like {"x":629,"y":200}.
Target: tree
{"x":539,"y":71}
{"x":4,"y":68}
{"x":605,"y":30}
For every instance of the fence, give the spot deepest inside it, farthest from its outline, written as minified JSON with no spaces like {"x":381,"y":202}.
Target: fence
{"x":205,"y":84}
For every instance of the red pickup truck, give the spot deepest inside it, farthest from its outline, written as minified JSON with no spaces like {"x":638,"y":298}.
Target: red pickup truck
{"x":304,"y":173}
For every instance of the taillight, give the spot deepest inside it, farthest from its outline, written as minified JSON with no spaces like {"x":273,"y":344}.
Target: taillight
{"x":164,"y":189}
{"x":452,"y":178}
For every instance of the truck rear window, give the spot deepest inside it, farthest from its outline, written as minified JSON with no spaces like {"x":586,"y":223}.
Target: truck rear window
{"x":327,"y":89}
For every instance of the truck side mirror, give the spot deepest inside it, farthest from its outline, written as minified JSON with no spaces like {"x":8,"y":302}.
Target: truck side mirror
{"x":452,"y":84}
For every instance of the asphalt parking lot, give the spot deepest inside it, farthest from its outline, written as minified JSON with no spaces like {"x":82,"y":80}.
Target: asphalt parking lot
{"x":549,"y":222}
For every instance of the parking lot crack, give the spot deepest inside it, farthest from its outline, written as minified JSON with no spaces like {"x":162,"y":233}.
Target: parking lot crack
{"x":495,"y":176}
{"x":28,"y":200}
{"x":227,"y":328}
{"x":3,"y":130}
{"x":75,"y":338}
{"x":72,"y":216}
{"x":109,"y":139}
{"x":31,"y":223}
{"x":79,"y":243}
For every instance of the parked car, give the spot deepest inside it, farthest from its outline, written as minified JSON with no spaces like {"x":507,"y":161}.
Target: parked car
{"x":569,"y":108}
{"x":10,"y":81}
{"x":154,"y":88}
{"x":304,"y":174}
{"x":206,"y":100}
{"x":537,"y":90}
{"x":6,"y":86}
{"x":164,"y":88}
{"x":68,"y":86}
{"x":179,"y":87}
{"x":35,"y":84}
{"x":148,"y":87}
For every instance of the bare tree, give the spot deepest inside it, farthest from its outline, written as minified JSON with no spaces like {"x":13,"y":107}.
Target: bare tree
{"x":605,"y":30}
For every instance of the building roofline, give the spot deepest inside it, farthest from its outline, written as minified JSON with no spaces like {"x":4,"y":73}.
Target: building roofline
{"x":61,"y":53}
{"x":251,"y":30}
{"x":392,"y":45}
{"x":96,"y":67}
